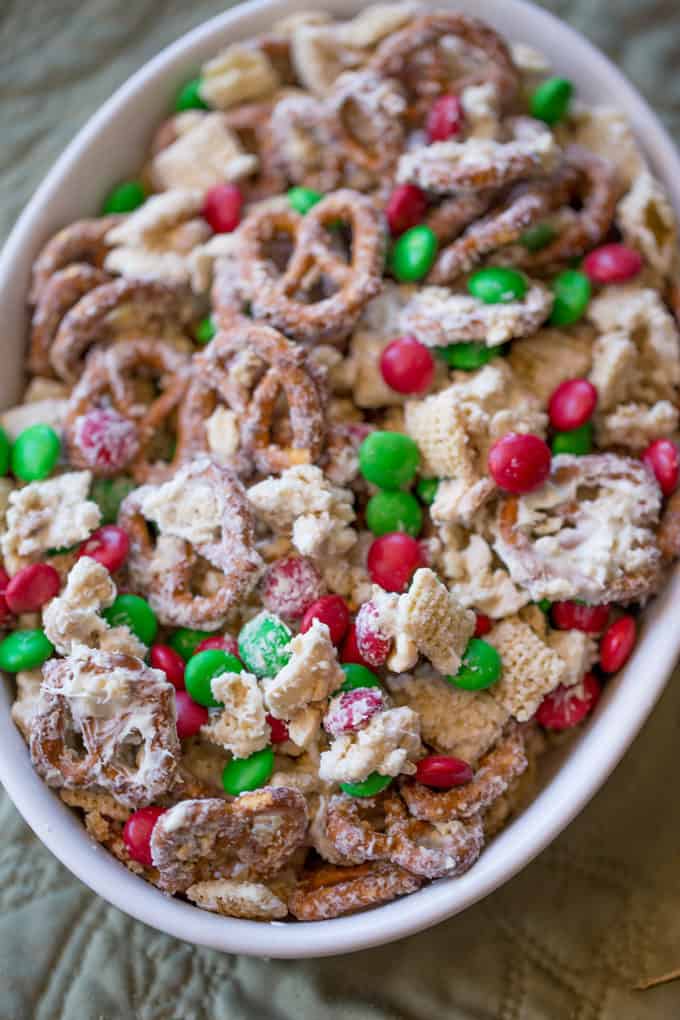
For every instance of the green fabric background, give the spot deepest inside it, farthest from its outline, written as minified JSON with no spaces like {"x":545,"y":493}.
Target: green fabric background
{"x":571,"y":935}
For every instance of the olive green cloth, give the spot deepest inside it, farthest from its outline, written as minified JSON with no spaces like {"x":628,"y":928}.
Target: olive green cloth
{"x":568,"y":938}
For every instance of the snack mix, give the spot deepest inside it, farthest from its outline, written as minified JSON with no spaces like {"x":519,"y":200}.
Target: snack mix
{"x":346,"y":462}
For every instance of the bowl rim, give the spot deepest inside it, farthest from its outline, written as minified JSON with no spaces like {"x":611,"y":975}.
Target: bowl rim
{"x":593,"y":755}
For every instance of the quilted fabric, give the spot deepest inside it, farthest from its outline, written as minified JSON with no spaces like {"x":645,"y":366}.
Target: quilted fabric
{"x":568,"y":938}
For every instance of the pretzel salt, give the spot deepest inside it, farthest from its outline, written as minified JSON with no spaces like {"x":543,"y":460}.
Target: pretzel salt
{"x":284,"y":368}
{"x":124,"y":714}
{"x":109,"y":381}
{"x":164,"y":570}
{"x":331,"y":891}
{"x":199,"y":840}
{"x":295,"y":300}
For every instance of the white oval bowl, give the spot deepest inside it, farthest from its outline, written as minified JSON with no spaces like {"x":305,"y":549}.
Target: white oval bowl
{"x":111,"y":146}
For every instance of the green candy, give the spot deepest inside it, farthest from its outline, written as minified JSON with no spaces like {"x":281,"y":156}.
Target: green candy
{"x":109,"y":493}
{"x":413,"y":254}
{"x":369,"y":787}
{"x":134,"y":612}
{"x":357,"y":676}
{"x":538,"y":236}
{"x":388,"y":459}
{"x":35,"y":453}
{"x":303,"y":199}
{"x":544,"y":605}
{"x":124,"y":198}
{"x":469,"y":355}
{"x":394,"y":511}
{"x":243,"y":774}
{"x":24,"y":649}
{"x":551,"y":99}
{"x":184,"y":640}
{"x":577,"y":441}
{"x":264,"y":644}
{"x":205,"y":331}
{"x":4,"y":452}
{"x":497,"y":285}
{"x":427,"y":490}
{"x":481,"y":667}
{"x":572,"y":292}
{"x":204,"y":667}
{"x":189,"y":96}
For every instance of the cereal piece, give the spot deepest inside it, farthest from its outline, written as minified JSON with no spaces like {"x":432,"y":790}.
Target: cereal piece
{"x":476,"y":578}
{"x":302,"y":502}
{"x":646,"y":219}
{"x":528,"y":59}
{"x":615,"y":358}
{"x":304,"y":728}
{"x":389,"y":744}
{"x":437,"y":424}
{"x":241,"y":726}
{"x":452,"y":721}
{"x":73,"y":618}
{"x":437,"y":316}
{"x":370,"y":389}
{"x":587,"y":533}
{"x":204,"y":840}
{"x":124,"y":714}
{"x":206,"y":155}
{"x":50,"y":412}
{"x":25,"y":704}
{"x":253,"y":901}
{"x":481,"y":108}
{"x":606,"y":131}
{"x":551,"y":356}
{"x":435,"y":620}
{"x":203,"y":259}
{"x":48,"y":515}
{"x":203,"y":516}
{"x":636,"y":425}
{"x":531,"y":668}
{"x":311,"y":675}
{"x":237,"y":74}
{"x":577,"y":650}
{"x":330,"y":891}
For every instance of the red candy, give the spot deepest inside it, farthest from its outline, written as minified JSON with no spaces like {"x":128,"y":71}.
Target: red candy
{"x":519,"y":462}
{"x":445,"y":118}
{"x":190,"y":715}
{"x":482,"y":625}
{"x":331,"y":610}
{"x":137,"y":833}
{"x":108,"y":545}
{"x":572,"y":616}
{"x":222,"y":208}
{"x":617,"y":644}
{"x":407,"y":365}
{"x":279,"y":730}
{"x":572,"y":404}
{"x":352,"y":710}
{"x":31,"y":588}
{"x":223,"y":642}
{"x":406,"y":208}
{"x":612,"y":263}
{"x":373,"y":645}
{"x":165,"y":658}
{"x":5,"y":611}
{"x":393,"y":559}
{"x":290,"y":585}
{"x":350,"y":649}
{"x":443,"y":771}
{"x":568,"y":706}
{"x":106,"y":440}
{"x":662,"y":458}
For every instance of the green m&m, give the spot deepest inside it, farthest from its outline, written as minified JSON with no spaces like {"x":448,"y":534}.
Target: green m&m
{"x":124,"y":198}
{"x":357,"y":675}
{"x":481,"y":667}
{"x":388,"y":459}
{"x":24,"y":649}
{"x":572,"y":291}
{"x":184,"y":640}
{"x":4,"y":452}
{"x":427,"y":490}
{"x":244,"y":774}
{"x":497,"y":285}
{"x":550,"y":101}
{"x":374,"y":784}
{"x":205,"y":331}
{"x":264,"y":644}
{"x":303,"y":199}
{"x":35,"y":453}
{"x":109,"y":493}
{"x":468,"y":355}
{"x":537,"y":237}
{"x":189,"y":96}
{"x":413,"y":254}
{"x":577,"y":441}
{"x":202,"y":668}
{"x":134,"y":612}
{"x":394,"y":511}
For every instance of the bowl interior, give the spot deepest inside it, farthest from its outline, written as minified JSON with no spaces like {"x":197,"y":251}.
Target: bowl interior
{"x":111,"y":146}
